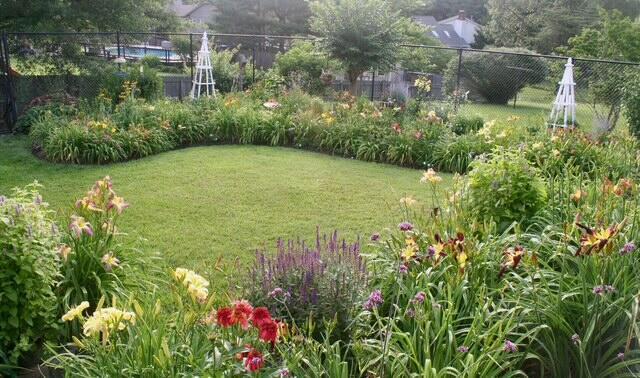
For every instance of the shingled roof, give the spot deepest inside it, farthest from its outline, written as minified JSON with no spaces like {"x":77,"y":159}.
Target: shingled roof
{"x":445,"y":33}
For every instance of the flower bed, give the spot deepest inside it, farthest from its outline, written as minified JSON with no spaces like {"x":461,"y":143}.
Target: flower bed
{"x":415,"y":136}
{"x":451,"y":290}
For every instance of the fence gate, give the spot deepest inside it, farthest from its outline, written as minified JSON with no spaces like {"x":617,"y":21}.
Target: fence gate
{"x":8,"y":113}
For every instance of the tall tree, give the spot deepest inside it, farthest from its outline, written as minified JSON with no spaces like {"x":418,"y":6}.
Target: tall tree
{"x":86,"y":15}
{"x":540,"y":25}
{"x":614,"y":37}
{"x":362,"y":34}
{"x":282,"y":17}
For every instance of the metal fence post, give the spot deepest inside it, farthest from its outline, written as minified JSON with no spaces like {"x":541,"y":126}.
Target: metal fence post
{"x":373,"y":84}
{"x":118,"y":42}
{"x":456,"y":102}
{"x":253,"y":65}
{"x":10,"y":95}
{"x":191,"y":54}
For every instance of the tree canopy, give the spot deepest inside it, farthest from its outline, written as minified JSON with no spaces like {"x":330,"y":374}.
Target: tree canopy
{"x":86,"y":15}
{"x":279,"y":17}
{"x":362,"y":34}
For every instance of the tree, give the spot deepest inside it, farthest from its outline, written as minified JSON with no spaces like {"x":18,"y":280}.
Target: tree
{"x":496,"y":77}
{"x":441,"y":9}
{"x":281,"y":17}
{"x":86,"y":15}
{"x":540,"y":25}
{"x":616,"y":37}
{"x":362,"y":34}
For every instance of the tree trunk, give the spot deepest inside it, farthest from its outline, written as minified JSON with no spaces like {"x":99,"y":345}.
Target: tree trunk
{"x":353,"y":76}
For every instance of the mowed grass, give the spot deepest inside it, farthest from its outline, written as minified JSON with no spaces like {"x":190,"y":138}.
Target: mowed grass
{"x":199,"y":204}
{"x":533,"y":106}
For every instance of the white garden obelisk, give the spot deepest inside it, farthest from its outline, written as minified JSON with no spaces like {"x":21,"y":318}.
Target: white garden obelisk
{"x":565,"y":104}
{"x":203,"y":83}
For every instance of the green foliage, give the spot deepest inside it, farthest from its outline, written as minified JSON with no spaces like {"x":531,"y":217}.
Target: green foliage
{"x":275,"y":17}
{"x":93,"y":262}
{"x":541,"y":26}
{"x":43,"y":15}
{"x":225,"y":69}
{"x":455,"y":153}
{"x":28,"y":274}
{"x":505,"y":189}
{"x":496,"y":77}
{"x":461,"y":125}
{"x":616,"y":37}
{"x":303,"y":65}
{"x":142,"y":81}
{"x":361,"y":34}
{"x":632,"y":106}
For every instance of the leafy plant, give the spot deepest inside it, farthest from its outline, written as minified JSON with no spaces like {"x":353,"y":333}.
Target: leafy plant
{"x":505,"y":189}
{"x":29,"y":266}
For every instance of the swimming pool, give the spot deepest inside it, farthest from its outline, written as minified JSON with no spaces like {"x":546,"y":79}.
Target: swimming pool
{"x":138,"y":52}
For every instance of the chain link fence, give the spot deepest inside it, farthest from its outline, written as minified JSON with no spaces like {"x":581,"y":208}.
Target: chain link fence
{"x":489,"y":84}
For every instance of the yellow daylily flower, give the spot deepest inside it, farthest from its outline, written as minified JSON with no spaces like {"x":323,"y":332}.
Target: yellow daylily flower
{"x":75,"y":312}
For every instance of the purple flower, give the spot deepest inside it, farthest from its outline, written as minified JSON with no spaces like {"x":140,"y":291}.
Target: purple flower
{"x":420,"y":297}
{"x":2,"y":200}
{"x":510,"y":346}
{"x":431,"y":251}
{"x":621,"y":356}
{"x":284,"y":372}
{"x":38,"y":200}
{"x":463,"y":349}
{"x":603,"y":289}
{"x":628,"y":248}
{"x":403,"y":269}
{"x":375,"y":237}
{"x":575,"y":339}
{"x":375,"y":300}
{"x":410,"y":313}
{"x":405,"y":226}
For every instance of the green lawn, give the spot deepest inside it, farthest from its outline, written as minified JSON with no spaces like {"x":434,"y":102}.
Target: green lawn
{"x":533,"y":105}
{"x":196,"y":204}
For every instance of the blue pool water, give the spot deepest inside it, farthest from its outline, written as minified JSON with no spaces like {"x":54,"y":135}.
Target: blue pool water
{"x":139,"y":52}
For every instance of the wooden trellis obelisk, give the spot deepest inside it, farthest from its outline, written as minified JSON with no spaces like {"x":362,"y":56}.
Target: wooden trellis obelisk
{"x":564,"y":108}
{"x":203,"y":83}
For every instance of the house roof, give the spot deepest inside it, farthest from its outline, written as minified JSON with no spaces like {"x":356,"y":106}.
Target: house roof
{"x":466,"y":19}
{"x":426,"y":20}
{"x":445,"y":33}
{"x":183,"y":10}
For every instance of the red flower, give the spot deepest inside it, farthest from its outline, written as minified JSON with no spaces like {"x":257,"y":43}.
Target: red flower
{"x":260,"y":315}
{"x":269,"y":331}
{"x":254,"y":361}
{"x":241,"y":313}
{"x":225,"y":317}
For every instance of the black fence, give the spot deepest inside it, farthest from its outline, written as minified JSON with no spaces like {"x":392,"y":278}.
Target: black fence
{"x":490,"y":84}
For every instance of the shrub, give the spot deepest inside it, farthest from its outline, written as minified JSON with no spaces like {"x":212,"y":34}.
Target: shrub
{"x":322,"y":281}
{"x":53,"y":108}
{"x":303,"y":65}
{"x":570,"y":149}
{"x":496,"y":77}
{"x":505,"y":189}
{"x":28,"y":274}
{"x":632,"y":105}
{"x":136,"y":81}
{"x":455,"y":153}
{"x":466,"y":125}
{"x":225,"y":69}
